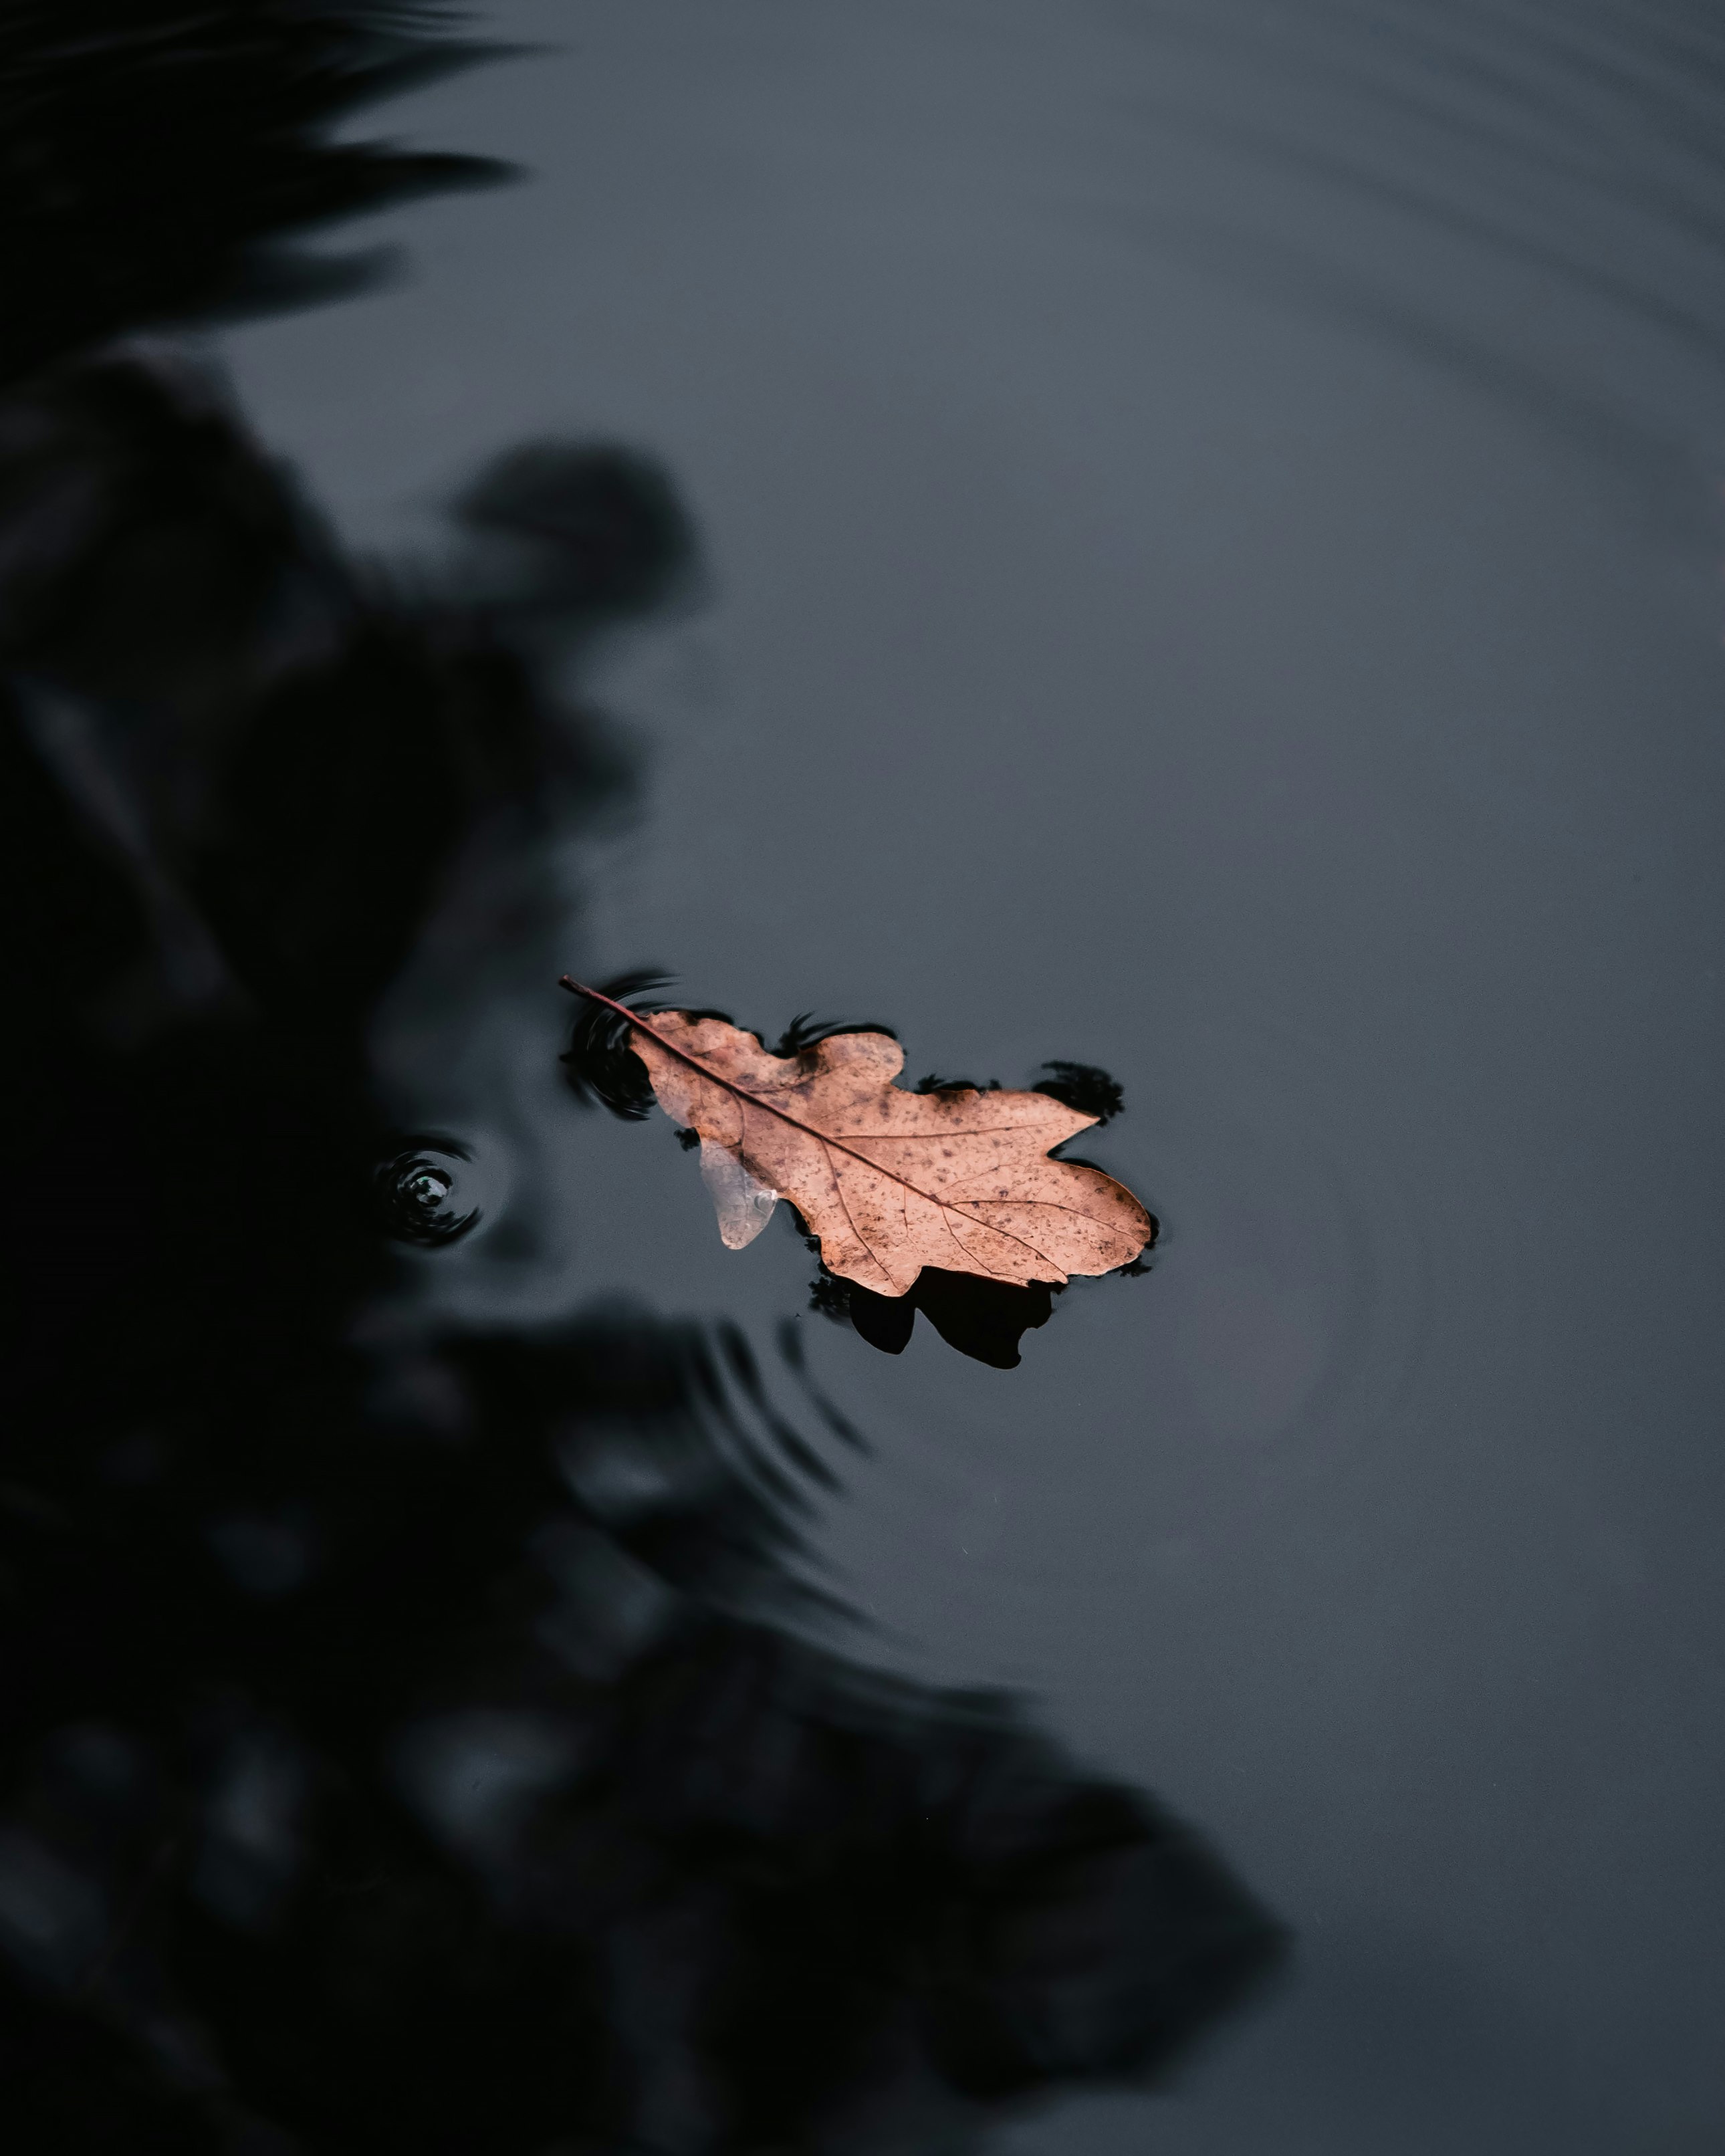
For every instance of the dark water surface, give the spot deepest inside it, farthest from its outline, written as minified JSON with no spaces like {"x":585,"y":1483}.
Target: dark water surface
{"x":1210,"y":567}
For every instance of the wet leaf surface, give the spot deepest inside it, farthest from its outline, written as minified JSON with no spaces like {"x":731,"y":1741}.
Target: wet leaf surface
{"x":890,"y":1182}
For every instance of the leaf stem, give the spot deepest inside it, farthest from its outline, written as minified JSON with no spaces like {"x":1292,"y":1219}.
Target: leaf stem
{"x":730,"y":1085}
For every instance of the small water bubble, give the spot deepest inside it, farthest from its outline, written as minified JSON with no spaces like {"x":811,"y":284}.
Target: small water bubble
{"x":420,"y":1194}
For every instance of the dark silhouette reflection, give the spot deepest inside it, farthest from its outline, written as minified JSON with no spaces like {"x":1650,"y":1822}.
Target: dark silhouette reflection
{"x":411,"y":1740}
{"x":163,"y":162}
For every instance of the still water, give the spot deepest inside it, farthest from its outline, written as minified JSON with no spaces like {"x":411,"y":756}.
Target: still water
{"x":1210,"y":567}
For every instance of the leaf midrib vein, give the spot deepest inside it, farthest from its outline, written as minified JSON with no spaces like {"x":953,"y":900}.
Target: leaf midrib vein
{"x":821,"y":1137}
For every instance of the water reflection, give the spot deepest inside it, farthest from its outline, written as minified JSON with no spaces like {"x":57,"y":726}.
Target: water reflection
{"x":1209,"y":514}
{"x":1215,"y":562}
{"x":420,"y":1736}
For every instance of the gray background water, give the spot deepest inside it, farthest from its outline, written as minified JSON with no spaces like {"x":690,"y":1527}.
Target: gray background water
{"x":1212,"y":569}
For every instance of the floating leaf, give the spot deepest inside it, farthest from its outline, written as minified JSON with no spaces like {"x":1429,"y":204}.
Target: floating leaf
{"x":889,"y":1181}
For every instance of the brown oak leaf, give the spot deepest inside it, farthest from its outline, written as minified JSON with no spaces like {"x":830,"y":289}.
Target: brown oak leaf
{"x":889,"y":1181}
